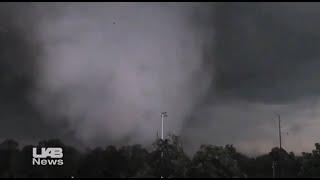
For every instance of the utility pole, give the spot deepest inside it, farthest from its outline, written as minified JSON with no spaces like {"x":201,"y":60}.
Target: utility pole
{"x":280,"y":148}
{"x":279,"y":120}
{"x":276,"y":170}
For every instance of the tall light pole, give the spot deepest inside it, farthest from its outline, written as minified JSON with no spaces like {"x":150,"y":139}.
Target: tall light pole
{"x":276,"y":165}
{"x":163,"y":115}
{"x":279,"y":122}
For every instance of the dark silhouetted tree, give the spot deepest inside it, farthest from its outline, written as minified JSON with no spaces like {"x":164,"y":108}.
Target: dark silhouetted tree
{"x":168,"y":158}
{"x":214,"y":161}
{"x":311,"y":163}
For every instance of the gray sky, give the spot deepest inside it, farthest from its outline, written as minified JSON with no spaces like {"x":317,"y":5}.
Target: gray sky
{"x":99,"y":73}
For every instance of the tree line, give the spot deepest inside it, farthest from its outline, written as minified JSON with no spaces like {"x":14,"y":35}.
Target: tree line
{"x":166,"y":158}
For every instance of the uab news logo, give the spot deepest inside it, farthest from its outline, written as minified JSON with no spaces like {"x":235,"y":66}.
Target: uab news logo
{"x":47,"y":156}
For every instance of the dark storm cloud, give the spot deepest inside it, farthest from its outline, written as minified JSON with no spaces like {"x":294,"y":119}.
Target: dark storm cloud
{"x":110,"y":68}
{"x":267,"y":52}
{"x":265,"y":61}
{"x":101,"y":73}
{"x":19,"y":52}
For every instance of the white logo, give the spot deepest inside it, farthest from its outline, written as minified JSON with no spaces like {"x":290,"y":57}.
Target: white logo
{"x":47,"y":156}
